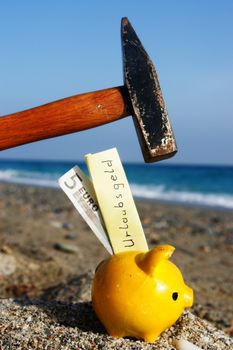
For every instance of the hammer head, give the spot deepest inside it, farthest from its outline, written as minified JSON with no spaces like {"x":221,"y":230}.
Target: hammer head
{"x":150,"y":115}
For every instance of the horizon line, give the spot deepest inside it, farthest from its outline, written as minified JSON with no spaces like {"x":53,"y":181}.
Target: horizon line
{"x":159,"y":163}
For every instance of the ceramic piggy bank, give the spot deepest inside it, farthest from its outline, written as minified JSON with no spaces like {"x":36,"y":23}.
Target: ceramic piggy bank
{"x":140,"y":294}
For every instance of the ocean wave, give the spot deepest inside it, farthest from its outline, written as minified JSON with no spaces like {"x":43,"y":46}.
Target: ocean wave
{"x":152,"y":192}
{"x":27,"y":178}
{"x":8,"y":174}
{"x":221,"y":200}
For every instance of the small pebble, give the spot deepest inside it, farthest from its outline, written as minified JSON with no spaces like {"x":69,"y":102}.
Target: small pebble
{"x":67,"y":248}
{"x":205,"y":248}
{"x":67,"y":226}
{"x":5,"y":249}
{"x":70,"y":236}
{"x":215,"y":219}
{"x":154,"y":238}
{"x":161,"y":224}
{"x":182,"y":344}
{"x":146,"y":221}
{"x":7,"y":264}
{"x":58,"y":210}
{"x":56,"y":224}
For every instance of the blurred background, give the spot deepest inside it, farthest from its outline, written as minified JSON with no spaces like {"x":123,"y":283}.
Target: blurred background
{"x":55,"y":49}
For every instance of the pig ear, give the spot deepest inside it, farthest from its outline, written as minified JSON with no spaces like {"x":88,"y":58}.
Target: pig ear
{"x":149,"y":261}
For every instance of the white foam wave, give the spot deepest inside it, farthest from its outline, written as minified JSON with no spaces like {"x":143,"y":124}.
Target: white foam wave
{"x":7,"y":174}
{"x":186,"y":197}
{"x":221,"y":200}
{"x":27,"y":178}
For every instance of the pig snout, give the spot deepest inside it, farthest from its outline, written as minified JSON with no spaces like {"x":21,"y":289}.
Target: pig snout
{"x":188,"y":297}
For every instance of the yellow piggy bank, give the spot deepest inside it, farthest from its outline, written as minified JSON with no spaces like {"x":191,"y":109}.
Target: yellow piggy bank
{"x":140,"y":294}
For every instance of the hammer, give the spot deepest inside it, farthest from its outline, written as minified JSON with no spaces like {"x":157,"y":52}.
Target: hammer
{"x":140,"y":96}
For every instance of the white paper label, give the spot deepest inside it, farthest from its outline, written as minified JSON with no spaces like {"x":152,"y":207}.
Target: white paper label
{"x":116,"y":202}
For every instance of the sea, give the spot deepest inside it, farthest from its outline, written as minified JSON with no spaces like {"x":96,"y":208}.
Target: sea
{"x":196,"y":185}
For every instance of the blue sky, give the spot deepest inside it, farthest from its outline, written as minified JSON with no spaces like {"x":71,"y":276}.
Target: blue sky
{"x":54,"y":49}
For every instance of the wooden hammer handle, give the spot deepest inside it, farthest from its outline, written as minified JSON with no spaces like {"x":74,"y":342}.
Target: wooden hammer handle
{"x":64,"y":116}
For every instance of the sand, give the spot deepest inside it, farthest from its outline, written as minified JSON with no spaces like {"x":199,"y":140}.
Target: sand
{"x":48,"y":256}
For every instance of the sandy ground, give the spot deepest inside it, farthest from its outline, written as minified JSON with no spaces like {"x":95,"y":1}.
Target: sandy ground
{"x":47,"y":252}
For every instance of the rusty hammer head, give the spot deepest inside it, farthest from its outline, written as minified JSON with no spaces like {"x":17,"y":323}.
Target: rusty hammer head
{"x":150,"y":115}
{"x":141,"y":97}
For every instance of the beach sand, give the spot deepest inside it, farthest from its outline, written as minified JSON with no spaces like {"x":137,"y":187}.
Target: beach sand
{"x":48,"y":256}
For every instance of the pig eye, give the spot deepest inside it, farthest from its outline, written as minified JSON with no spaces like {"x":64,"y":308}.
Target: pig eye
{"x":175,"y":296}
